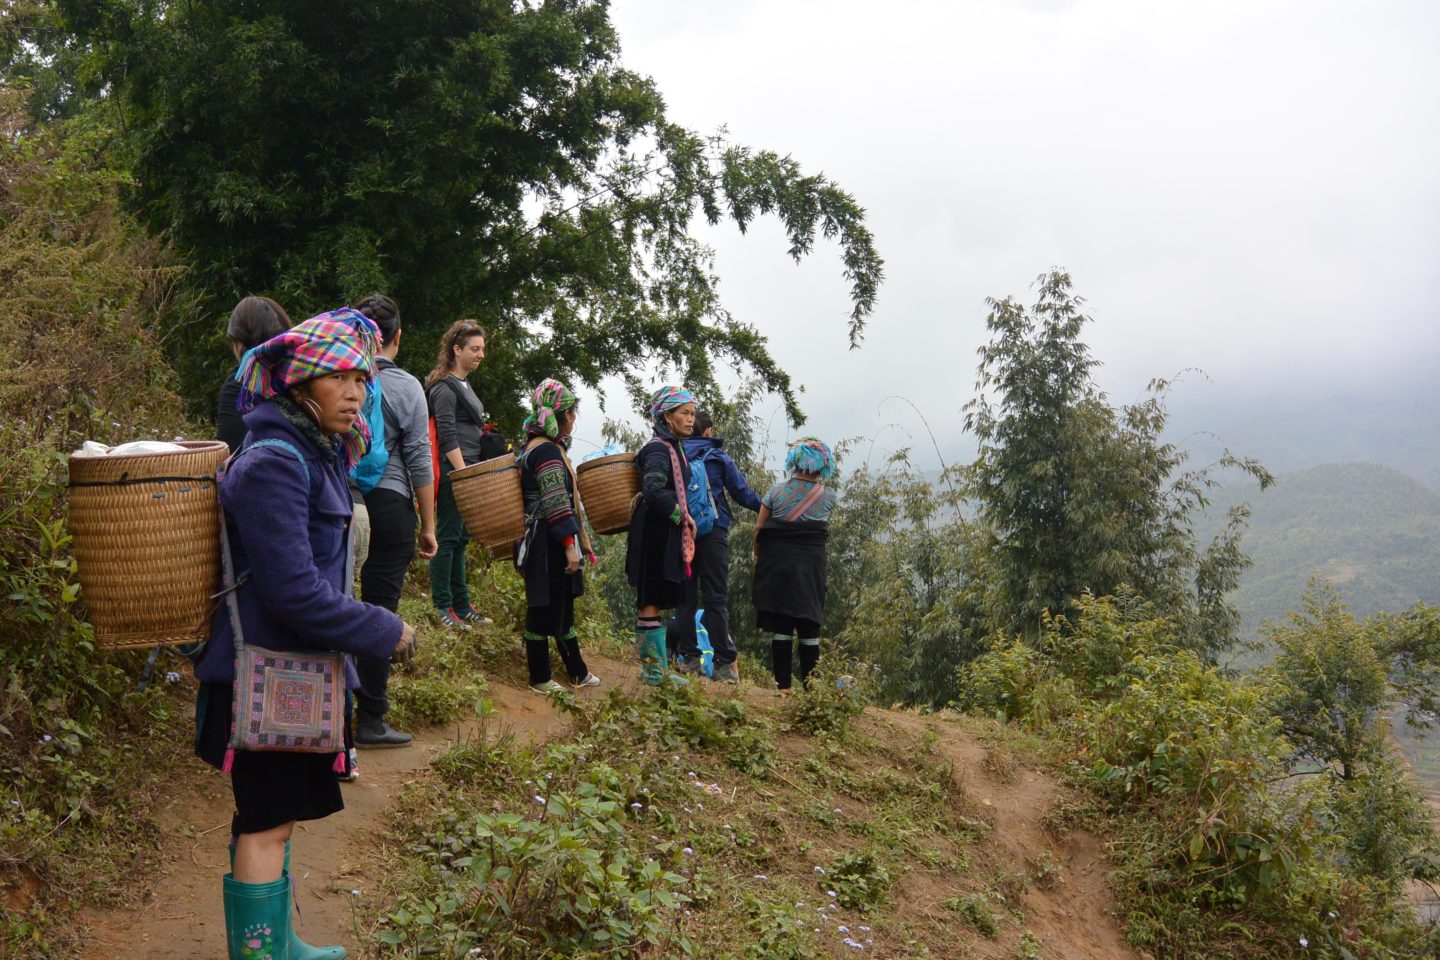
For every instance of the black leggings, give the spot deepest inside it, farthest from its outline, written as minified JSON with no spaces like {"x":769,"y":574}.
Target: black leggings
{"x":392,"y":547}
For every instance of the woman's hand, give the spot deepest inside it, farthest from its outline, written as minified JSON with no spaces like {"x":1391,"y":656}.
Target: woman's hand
{"x":572,"y":557}
{"x":405,"y":650}
{"x":429,"y":546}
{"x":694,"y":530}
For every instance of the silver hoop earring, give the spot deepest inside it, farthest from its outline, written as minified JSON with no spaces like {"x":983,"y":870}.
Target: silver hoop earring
{"x":312,"y":407}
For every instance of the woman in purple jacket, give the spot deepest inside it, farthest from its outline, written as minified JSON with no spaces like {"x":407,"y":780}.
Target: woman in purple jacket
{"x":287,"y":510}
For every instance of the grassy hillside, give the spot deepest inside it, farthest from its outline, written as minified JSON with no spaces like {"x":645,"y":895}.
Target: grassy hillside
{"x":1371,"y":530}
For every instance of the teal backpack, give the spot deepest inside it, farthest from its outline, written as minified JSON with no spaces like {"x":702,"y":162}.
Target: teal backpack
{"x":367,"y":472}
{"x":697,"y":496}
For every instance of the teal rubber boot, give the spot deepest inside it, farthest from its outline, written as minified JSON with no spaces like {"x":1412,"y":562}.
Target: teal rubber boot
{"x":257,"y":919}
{"x":299,"y":949}
{"x":654,"y":666}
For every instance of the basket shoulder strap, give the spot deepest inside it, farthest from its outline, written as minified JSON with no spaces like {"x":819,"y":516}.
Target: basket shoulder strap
{"x":233,"y":583}
{"x":815,"y":494}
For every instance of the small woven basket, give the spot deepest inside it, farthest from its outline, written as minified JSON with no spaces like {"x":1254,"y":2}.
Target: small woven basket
{"x":608,"y":488}
{"x":146,"y":532}
{"x":491,"y":504}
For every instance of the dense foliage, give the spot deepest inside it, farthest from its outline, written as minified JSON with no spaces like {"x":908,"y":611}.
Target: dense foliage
{"x":1075,"y":495}
{"x":491,"y":160}
{"x":78,"y":282}
{"x":1239,"y":840}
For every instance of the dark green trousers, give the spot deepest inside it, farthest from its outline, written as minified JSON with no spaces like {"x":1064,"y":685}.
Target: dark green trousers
{"x":448,"y":589}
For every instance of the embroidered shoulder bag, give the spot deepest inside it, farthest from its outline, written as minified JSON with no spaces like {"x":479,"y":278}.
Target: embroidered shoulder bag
{"x":286,"y":700}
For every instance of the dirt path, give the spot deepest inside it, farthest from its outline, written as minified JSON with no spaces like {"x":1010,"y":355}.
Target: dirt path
{"x":1070,"y":907}
{"x":181,"y":916}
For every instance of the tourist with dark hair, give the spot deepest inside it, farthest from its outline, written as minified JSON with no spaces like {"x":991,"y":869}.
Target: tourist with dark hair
{"x":459,"y":431}
{"x":391,"y":502}
{"x":253,"y":321}
{"x":709,"y":588}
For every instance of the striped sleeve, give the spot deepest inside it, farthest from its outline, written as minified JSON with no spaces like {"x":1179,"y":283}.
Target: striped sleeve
{"x":556,"y":504}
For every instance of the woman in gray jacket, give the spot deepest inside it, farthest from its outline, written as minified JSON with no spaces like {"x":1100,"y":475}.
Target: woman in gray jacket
{"x":459,"y":425}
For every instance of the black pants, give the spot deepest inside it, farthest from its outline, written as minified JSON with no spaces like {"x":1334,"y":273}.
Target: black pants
{"x":392,"y":547}
{"x":708,"y":589}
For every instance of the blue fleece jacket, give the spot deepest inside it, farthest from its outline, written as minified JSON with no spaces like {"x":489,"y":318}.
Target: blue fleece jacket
{"x":725,"y":478}
{"x":293,"y":545}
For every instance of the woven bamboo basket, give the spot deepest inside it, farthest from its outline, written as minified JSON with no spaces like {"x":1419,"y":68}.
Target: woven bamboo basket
{"x":608,"y":488}
{"x":146,"y":532}
{"x":491,"y":504}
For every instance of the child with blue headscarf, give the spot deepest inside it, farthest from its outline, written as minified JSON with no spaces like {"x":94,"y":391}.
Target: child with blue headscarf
{"x":791,"y":534}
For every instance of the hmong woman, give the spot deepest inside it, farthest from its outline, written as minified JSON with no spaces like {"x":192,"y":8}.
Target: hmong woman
{"x":556,"y":544}
{"x":661,"y":544}
{"x":287,"y":509}
{"x":790,"y":537}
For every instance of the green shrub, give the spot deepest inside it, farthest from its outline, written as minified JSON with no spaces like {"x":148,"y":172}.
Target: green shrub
{"x":431,"y":700}
{"x":564,"y":882}
{"x":834,"y":694}
{"x":858,"y":880}
{"x":973,"y":909}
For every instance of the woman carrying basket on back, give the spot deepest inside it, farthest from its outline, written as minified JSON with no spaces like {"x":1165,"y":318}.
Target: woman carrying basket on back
{"x":287,"y":512}
{"x":555,"y":546}
{"x":790,"y":537}
{"x":661,"y":544}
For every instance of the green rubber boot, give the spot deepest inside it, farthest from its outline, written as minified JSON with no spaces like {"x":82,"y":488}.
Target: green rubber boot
{"x":257,"y":919}
{"x":299,"y":949}
{"x":654,"y":666}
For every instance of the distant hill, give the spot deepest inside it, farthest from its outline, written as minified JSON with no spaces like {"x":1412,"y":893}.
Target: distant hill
{"x":1371,"y":530}
{"x":1390,"y":419}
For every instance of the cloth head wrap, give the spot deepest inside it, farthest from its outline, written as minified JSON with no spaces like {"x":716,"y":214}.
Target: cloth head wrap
{"x":547,"y":402}
{"x":333,"y":342}
{"x":809,"y":455}
{"x":668,"y":398}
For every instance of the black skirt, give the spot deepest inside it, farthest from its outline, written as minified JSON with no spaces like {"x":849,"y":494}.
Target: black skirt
{"x":786,"y":625}
{"x":550,"y":592}
{"x":549,"y":589}
{"x":656,"y":571}
{"x":271,"y":787}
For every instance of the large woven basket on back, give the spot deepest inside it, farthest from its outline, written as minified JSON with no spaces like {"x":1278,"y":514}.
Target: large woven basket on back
{"x":146,"y":532}
{"x":608,"y":487}
{"x":491,"y":504}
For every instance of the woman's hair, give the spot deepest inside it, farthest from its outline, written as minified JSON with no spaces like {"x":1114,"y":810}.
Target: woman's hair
{"x":255,"y":320}
{"x":386,"y":315}
{"x":703,"y":422}
{"x":459,"y":333}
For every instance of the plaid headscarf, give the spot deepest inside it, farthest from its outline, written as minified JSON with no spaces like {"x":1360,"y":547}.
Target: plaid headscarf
{"x":809,"y":455}
{"x":668,"y":398}
{"x":547,"y":401}
{"x":333,"y":342}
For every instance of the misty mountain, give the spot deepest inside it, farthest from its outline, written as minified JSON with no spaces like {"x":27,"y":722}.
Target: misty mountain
{"x":1394,"y":421}
{"x":1371,"y":530}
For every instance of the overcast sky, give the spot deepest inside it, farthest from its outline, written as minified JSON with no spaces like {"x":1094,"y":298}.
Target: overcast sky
{"x":1247,"y":186}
